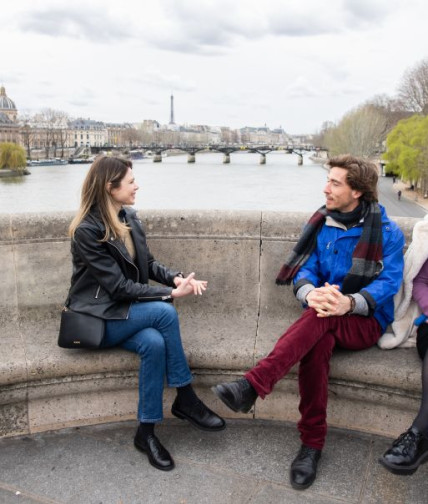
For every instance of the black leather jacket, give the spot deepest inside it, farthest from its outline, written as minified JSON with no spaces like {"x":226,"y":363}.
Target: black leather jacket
{"x":105,"y":280}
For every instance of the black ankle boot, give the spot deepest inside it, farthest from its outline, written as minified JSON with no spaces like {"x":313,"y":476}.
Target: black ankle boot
{"x":238,"y":395}
{"x":407,"y":452}
{"x":199,"y":415}
{"x":303,"y":469}
{"x":157,"y":454}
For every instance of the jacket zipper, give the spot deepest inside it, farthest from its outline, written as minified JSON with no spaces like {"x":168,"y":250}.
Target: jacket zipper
{"x":126,"y":259}
{"x":157,"y":298}
{"x":98,"y":292}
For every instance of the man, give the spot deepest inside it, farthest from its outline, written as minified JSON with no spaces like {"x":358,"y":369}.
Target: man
{"x":346,"y":268}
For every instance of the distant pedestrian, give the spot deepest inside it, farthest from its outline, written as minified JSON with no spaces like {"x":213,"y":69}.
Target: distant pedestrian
{"x":399,"y":195}
{"x":394,"y":178}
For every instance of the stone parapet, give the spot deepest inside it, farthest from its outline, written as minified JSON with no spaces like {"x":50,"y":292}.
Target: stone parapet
{"x":225,"y":331}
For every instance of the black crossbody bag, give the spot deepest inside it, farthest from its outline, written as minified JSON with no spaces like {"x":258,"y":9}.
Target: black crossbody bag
{"x":80,"y":330}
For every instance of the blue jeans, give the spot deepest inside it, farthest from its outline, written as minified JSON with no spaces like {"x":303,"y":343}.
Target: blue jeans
{"x":152,"y":331}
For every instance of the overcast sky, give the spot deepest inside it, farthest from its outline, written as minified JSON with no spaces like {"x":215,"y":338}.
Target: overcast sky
{"x":289,"y":63}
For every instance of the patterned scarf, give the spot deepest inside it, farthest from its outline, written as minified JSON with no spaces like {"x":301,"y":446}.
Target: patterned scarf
{"x":366,"y":258}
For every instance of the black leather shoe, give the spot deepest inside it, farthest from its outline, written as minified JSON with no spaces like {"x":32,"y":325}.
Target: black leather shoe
{"x":199,"y":416}
{"x":407,"y":452}
{"x":303,"y":469}
{"x":157,"y":454}
{"x":239,"y":395}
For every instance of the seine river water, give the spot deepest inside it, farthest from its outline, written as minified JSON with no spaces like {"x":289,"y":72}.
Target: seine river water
{"x":243,"y":184}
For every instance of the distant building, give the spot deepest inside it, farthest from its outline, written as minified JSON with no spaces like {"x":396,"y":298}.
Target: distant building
{"x":53,"y":131}
{"x":149,"y":126}
{"x":255,"y":136}
{"x":263,"y":136}
{"x":87,"y":133}
{"x":115,"y":134}
{"x":229,"y":136}
{"x":9,"y":127}
{"x":200,"y":134}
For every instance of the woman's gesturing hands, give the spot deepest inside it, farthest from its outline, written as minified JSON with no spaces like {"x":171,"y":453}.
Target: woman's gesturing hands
{"x":188,"y":285}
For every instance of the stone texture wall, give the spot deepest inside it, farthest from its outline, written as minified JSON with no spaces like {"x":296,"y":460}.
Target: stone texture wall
{"x":224,"y":332}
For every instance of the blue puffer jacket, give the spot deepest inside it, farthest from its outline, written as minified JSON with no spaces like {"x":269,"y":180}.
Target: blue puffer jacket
{"x":332,"y":259}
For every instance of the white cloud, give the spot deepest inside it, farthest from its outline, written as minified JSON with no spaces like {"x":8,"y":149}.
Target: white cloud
{"x":296,"y":62}
{"x":74,"y":21}
{"x":170,"y":82}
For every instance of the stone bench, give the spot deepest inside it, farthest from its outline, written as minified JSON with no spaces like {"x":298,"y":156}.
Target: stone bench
{"x":225,"y":331}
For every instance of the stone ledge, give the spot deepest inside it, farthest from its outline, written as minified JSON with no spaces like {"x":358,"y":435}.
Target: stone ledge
{"x":225,"y":332}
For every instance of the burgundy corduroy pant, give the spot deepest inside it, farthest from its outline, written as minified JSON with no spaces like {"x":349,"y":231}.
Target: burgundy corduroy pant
{"x":311,"y":340}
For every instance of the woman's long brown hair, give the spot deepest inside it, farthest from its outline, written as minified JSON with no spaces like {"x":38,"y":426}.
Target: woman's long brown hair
{"x":106,"y":173}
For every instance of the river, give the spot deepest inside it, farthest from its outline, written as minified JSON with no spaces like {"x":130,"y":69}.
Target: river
{"x":244,"y":184}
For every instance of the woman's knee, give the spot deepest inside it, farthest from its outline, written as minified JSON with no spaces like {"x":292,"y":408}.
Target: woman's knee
{"x":149,"y":341}
{"x":168,"y":309}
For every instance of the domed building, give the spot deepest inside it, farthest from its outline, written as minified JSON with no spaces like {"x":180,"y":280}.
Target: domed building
{"x":9,"y":127}
{"x":7,"y":106}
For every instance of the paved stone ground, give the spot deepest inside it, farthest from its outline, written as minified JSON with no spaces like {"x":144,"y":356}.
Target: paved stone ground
{"x":248,"y":463}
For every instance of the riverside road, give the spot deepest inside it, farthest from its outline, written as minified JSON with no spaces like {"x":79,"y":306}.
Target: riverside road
{"x":406,"y":207}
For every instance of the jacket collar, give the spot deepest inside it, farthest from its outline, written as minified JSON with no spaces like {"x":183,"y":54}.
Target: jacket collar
{"x":138,"y":236}
{"x":94,"y":217}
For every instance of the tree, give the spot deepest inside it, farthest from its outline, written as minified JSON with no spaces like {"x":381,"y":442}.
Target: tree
{"x":12,"y":156}
{"x":413,"y":90}
{"x":392,"y":109}
{"x":27,"y":132}
{"x":61,"y":130}
{"x":319,"y":137}
{"x":131,"y":136}
{"x":360,"y":133}
{"x":52,"y":126}
{"x":407,"y":150}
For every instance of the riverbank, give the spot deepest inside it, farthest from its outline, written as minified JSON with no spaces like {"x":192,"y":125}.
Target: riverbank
{"x":5,"y":173}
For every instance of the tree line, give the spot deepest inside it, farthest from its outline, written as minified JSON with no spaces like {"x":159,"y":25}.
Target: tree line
{"x":394,"y":128}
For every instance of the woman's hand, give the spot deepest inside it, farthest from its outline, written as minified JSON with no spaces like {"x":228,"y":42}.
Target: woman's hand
{"x":188,"y":285}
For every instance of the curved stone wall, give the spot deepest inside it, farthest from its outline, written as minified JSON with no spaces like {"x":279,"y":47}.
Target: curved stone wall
{"x":225,"y":331}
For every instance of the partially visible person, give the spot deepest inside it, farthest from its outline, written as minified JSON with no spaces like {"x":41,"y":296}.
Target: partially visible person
{"x":410,"y":449}
{"x":112,"y":265}
{"x":346,"y":267}
{"x":406,"y":310}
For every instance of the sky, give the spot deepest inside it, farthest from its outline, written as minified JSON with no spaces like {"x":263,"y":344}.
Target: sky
{"x":281,"y":63}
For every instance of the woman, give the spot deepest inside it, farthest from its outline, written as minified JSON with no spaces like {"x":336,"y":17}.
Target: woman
{"x":410,"y":449}
{"x":112,"y":266}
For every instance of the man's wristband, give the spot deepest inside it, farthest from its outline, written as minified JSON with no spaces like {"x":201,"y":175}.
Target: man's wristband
{"x":352,"y":308}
